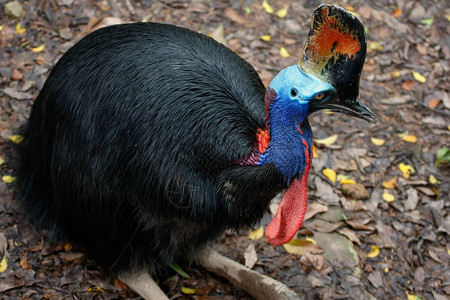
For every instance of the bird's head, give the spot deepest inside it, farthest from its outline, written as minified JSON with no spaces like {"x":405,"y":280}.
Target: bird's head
{"x":290,"y":95}
{"x":326,"y":77}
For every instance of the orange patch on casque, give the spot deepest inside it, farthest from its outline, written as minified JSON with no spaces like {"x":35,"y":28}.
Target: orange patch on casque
{"x":329,"y":41}
{"x":263,"y":137}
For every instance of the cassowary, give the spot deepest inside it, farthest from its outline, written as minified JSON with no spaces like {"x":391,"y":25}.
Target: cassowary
{"x":148,"y":140}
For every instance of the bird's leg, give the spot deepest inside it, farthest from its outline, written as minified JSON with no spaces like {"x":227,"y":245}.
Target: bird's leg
{"x":142,"y":283}
{"x":259,"y":286}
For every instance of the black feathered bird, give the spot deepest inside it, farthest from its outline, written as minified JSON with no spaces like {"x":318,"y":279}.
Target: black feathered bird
{"x":149,"y":140}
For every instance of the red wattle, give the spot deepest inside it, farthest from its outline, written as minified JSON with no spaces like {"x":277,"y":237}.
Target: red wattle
{"x":292,"y":208}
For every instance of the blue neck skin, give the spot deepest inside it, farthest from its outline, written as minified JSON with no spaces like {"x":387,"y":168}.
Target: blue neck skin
{"x":287,"y":121}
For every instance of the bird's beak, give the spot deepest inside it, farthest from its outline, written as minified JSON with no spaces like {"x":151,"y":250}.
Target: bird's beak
{"x":353,"y":108}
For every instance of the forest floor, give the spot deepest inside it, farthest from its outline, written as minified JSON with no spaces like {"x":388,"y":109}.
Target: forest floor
{"x":385,"y":237}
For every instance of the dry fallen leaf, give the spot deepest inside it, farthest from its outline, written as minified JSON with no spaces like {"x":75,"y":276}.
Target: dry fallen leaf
{"x":388,"y":197}
{"x":397,"y":12}
{"x":419,"y":77}
{"x":330,"y":174}
{"x":19,"y":29}
{"x":344,"y":179}
{"x":411,"y":297}
{"x":266,"y":38}
{"x":374,"y":252}
{"x":257,"y":234}
{"x":3,"y":264}
{"x":250,"y":255}
{"x":377,"y":142}
{"x":218,"y":35}
{"x":284,"y":53}
{"x":406,"y":170}
{"x":9,"y":179}
{"x":267,"y":7}
{"x":299,"y":247}
{"x":313,"y":209}
{"x":315,"y":152}
{"x":431,"y":179}
{"x":95,"y":289}
{"x":188,"y":291}
{"x":375,"y":46}
{"x":327,"y":141}
{"x":38,"y":49}
{"x":434,"y":103}
{"x":17,"y":138}
{"x":24,"y":262}
{"x":347,"y":181}
{"x":282,"y":13}
{"x":391,"y":183}
{"x":409,"y":138}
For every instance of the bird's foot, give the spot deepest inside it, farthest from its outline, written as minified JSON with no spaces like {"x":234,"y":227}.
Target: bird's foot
{"x":142,"y":283}
{"x":259,"y":286}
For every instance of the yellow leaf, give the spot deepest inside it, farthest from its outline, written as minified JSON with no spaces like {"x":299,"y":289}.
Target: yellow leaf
{"x":24,"y":263}
{"x":410,"y":138}
{"x":403,"y":134}
{"x":19,"y":29}
{"x":282,"y":13}
{"x":347,"y":181}
{"x":407,"y":170}
{"x":299,"y":247}
{"x":16,"y":138}
{"x":9,"y":179}
{"x":95,"y":289}
{"x":2,"y":161}
{"x":391,"y":183}
{"x":188,"y":291}
{"x":374,"y":252}
{"x":433,"y":180}
{"x":419,"y":77}
{"x":284,"y":52}
{"x":310,"y":240}
{"x":3,"y":265}
{"x":330,"y":174}
{"x":386,"y":270}
{"x":411,"y":297}
{"x":257,"y":234}
{"x":349,"y":8}
{"x":267,"y":7}
{"x":447,"y":16}
{"x":38,"y":49}
{"x":342,"y":177}
{"x":266,"y":38}
{"x":1,"y":27}
{"x":388,"y":197}
{"x":395,"y":74}
{"x":377,"y":142}
{"x":315,"y":152}
{"x":327,"y":141}
{"x":67,"y":246}
{"x":375,"y":46}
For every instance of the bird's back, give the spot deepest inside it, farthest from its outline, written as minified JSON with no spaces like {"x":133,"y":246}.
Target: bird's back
{"x":136,"y":135}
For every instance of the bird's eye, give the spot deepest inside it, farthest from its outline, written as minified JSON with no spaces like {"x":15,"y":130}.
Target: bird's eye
{"x":294,"y":93}
{"x":319,"y":96}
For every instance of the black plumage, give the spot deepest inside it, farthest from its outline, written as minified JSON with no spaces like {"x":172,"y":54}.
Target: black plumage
{"x":133,"y":146}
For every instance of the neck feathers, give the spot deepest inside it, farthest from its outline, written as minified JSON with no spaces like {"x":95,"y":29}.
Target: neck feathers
{"x":286,"y":141}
